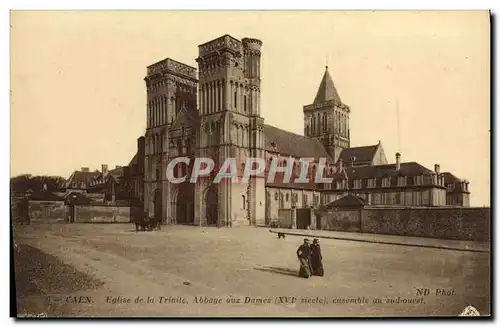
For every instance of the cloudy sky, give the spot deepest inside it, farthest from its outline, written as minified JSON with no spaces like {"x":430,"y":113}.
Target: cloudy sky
{"x":78,"y":95}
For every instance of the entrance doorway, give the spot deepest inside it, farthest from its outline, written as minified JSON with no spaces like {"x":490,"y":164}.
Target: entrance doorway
{"x":184,"y":204}
{"x":211,"y":201}
{"x":303,"y":218}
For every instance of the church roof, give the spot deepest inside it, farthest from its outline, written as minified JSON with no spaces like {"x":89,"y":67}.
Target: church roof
{"x":291,"y":144}
{"x":327,"y":90}
{"x":359,"y":154}
{"x":133,"y":161}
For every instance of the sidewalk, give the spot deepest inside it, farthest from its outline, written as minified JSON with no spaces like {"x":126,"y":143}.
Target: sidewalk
{"x":455,"y":245}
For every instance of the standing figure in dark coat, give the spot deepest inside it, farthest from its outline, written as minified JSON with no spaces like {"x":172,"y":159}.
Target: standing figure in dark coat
{"x":316,"y":259}
{"x":304,"y":255}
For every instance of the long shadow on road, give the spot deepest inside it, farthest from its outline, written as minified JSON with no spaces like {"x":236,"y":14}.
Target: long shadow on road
{"x":277,"y":270}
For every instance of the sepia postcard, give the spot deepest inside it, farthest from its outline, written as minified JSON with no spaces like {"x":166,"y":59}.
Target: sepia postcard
{"x":250,"y":164}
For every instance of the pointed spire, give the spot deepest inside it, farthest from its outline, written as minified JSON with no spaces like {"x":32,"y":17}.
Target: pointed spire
{"x":327,"y":90}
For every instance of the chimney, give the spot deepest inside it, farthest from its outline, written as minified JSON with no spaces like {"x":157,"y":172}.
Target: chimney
{"x":104,"y":168}
{"x":341,"y":165}
{"x":436,"y":169}
{"x":85,"y":169}
{"x":398,"y":160}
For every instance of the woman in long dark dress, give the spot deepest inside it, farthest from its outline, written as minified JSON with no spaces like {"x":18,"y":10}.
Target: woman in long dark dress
{"x":316,"y":259}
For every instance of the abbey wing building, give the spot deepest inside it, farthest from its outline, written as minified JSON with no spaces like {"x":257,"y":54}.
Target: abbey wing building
{"x":215,"y":111}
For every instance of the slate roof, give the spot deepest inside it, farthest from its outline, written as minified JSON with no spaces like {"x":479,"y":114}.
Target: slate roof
{"x":450,"y":178}
{"x":360,"y":153}
{"x":80,"y":179}
{"x":327,"y":90}
{"x":288,"y":143}
{"x":378,"y":171}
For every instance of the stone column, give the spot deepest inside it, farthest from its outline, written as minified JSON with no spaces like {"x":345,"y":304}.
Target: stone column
{"x":213,"y":97}
{"x":216,"y":106}
{"x":200,"y":100}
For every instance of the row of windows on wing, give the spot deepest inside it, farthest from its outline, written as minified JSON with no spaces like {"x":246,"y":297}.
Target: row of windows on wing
{"x":408,"y":198}
{"x":294,"y":198}
{"x":329,"y":170}
{"x":385,"y":182}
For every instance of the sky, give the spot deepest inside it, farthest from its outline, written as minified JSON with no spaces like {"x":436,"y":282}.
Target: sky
{"x":78,"y":96}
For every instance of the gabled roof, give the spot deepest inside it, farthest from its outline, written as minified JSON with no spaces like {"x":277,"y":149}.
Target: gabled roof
{"x":117,"y":172}
{"x":292,"y":144}
{"x":327,"y":90}
{"x":359,"y":154}
{"x":350,"y":200}
{"x":80,"y":179}
{"x":102,"y":178}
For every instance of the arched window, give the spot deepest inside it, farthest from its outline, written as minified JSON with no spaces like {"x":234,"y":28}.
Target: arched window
{"x":243,"y":204}
{"x":287,"y":197}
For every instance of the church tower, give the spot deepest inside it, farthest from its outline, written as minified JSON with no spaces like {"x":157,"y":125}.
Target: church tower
{"x":230,"y":127}
{"x":327,"y":118}
{"x":170,"y":85}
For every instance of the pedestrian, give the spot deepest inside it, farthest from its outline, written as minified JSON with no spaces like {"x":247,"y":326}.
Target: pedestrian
{"x":316,"y":259}
{"x":304,"y":255}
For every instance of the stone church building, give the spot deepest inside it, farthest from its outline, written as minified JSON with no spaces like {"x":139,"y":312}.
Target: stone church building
{"x":215,"y":111}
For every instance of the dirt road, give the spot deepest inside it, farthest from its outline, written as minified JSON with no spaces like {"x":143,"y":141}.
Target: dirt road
{"x":110,"y":270}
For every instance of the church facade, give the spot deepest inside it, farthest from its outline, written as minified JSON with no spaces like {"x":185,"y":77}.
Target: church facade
{"x":215,"y":112}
